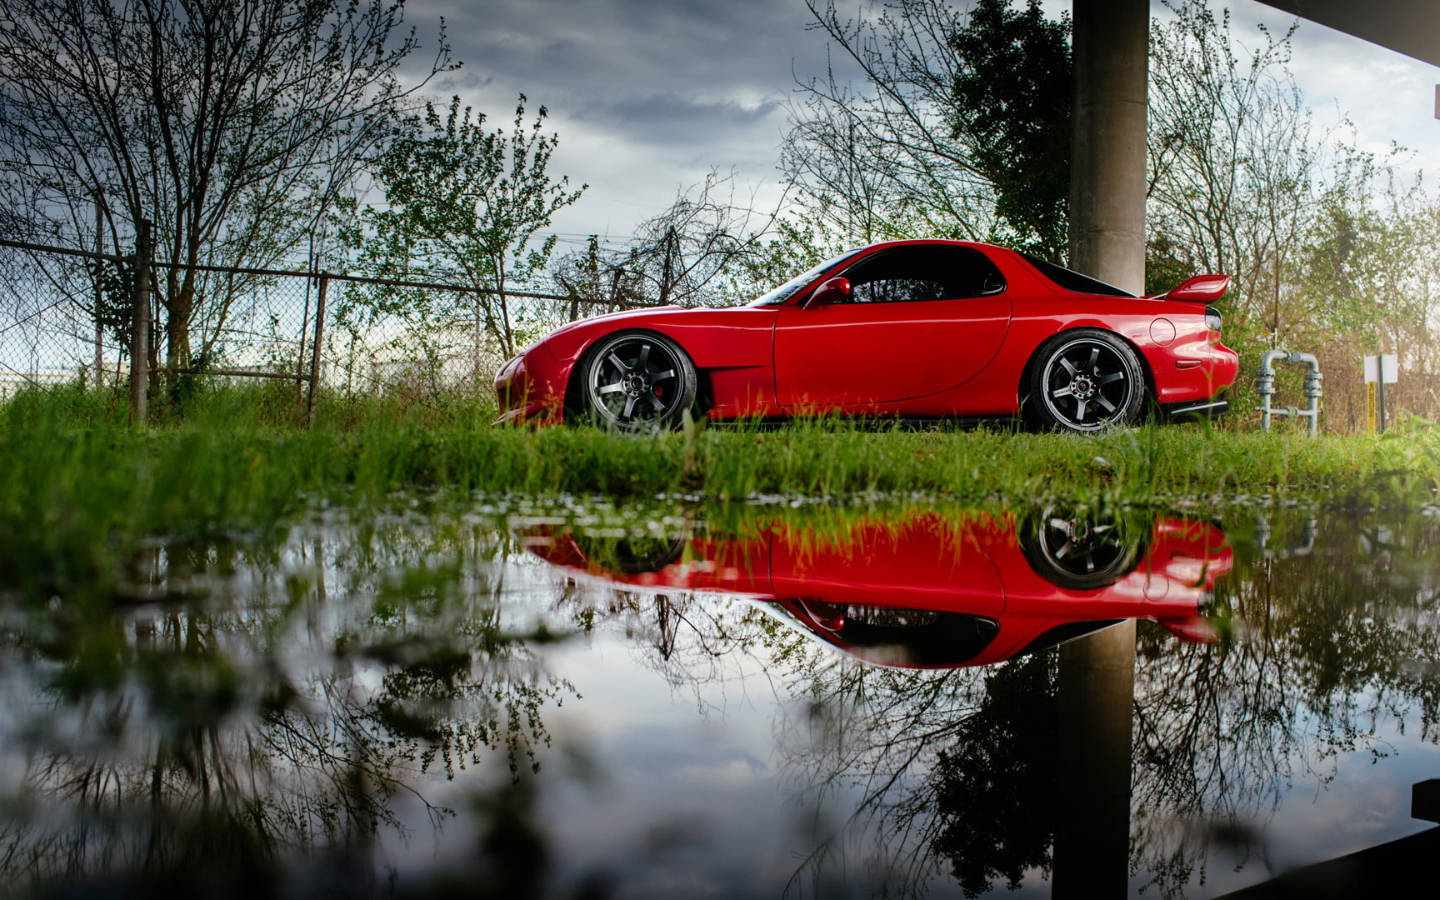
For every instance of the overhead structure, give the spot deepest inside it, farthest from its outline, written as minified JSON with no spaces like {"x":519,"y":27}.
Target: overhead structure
{"x":1411,"y":27}
{"x":1107,"y":241}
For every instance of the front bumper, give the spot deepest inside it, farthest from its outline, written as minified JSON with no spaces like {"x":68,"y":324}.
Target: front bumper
{"x":530,"y":388}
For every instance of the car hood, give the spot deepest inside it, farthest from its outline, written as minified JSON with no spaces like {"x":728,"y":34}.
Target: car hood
{"x":645,"y":312}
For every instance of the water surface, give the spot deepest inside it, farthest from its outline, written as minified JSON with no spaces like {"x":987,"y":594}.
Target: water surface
{"x":502,"y":699}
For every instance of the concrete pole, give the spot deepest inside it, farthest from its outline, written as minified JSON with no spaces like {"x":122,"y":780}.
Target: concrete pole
{"x":1096,"y":702}
{"x":1107,"y":241}
{"x":1107,"y":160}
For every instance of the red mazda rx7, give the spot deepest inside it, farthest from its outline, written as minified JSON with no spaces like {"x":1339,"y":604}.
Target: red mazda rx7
{"x":908,"y":329}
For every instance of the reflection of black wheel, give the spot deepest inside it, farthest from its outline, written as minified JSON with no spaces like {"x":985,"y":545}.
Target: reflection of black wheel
{"x":637,"y":381}
{"x":1085,"y":380}
{"x":631,"y":555}
{"x":1080,"y":550}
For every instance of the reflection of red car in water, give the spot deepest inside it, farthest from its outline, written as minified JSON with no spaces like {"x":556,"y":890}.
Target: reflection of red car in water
{"x":933,"y":592}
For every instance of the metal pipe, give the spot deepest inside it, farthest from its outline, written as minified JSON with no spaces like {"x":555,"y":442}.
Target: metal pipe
{"x":1265,"y":387}
{"x":1313,"y":388}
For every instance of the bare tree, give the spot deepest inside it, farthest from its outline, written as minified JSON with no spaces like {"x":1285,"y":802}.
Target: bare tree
{"x":233,"y":124}
{"x":882,"y":161}
{"x":694,"y":253}
{"x":1234,"y":162}
{"x":684,"y":254}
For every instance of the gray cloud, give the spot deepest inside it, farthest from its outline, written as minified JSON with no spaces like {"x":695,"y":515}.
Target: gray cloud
{"x":671,"y":119}
{"x":646,"y":95}
{"x":575,"y":53}
{"x":649,"y":94}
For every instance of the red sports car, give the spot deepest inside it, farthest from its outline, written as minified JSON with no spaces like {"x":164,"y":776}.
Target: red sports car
{"x":932,"y":592}
{"x":910,"y":329}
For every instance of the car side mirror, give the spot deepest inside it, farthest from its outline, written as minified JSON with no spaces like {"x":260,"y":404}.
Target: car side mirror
{"x":1201,"y":289}
{"x":836,"y":290}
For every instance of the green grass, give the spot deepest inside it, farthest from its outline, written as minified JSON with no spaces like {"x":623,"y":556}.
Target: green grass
{"x":80,"y":487}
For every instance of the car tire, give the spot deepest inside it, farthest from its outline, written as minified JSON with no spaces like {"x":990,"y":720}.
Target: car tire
{"x":1078,"y":549}
{"x":637,"y":381}
{"x":1085,"y":380}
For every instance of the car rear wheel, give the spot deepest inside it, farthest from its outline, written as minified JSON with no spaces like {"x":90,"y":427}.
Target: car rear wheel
{"x":1086,"y":380}
{"x":1078,"y":548}
{"x":637,"y":381}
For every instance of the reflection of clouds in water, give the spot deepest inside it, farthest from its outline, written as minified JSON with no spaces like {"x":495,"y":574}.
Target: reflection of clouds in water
{"x":689,"y":738}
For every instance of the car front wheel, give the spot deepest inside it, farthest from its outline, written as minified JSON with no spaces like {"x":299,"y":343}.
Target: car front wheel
{"x":1086,"y":380}
{"x":637,"y":381}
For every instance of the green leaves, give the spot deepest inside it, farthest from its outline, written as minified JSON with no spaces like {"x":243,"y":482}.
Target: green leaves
{"x":463,"y":205}
{"x":1013,"y":94}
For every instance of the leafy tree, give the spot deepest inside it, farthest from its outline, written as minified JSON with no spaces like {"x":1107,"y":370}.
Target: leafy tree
{"x":233,"y":124}
{"x":962,"y":128}
{"x":1014,"y":91}
{"x":463,"y":203}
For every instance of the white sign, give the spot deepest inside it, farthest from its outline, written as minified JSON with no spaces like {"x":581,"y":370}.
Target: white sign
{"x":1385,"y":364}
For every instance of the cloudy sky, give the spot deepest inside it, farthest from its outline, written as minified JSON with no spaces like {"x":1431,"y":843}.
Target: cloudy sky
{"x":649,"y":95}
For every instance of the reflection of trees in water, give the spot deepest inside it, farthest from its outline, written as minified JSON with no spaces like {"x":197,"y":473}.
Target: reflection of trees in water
{"x":1333,"y":649}
{"x":277,"y":701}
{"x":279,"y":698}
{"x":955,"y":771}
{"x":996,"y":783}
{"x":856,"y":740}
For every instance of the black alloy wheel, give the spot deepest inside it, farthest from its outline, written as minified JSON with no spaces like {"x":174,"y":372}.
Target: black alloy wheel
{"x":1079,"y":549}
{"x":1086,"y":380}
{"x":638,"y":381}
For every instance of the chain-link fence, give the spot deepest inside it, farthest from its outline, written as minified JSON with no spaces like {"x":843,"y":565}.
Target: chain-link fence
{"x":49,"y":328}
{"x":69,"y":316}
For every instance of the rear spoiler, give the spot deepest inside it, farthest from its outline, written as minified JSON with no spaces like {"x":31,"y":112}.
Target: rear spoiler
{"x":1200,"y":289}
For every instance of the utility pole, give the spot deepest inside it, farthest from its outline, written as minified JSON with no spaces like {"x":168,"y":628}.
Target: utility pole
{"x":140,"y":326}
{"x":668,"y":269}
{"x":99,"y":286}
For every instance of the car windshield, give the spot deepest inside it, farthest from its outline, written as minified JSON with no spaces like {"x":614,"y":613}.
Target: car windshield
{"x":788,"y":289}
{"x":1074,"y":281}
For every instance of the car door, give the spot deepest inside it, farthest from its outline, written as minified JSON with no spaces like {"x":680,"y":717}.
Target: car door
{"x":926,"y":562}
{"x":922,"y":318}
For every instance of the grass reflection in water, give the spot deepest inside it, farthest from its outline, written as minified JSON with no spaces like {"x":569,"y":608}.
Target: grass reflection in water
{"x":286,"y":710}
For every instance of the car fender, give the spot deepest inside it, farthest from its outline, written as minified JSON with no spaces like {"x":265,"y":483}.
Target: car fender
{"x":732,"y":338}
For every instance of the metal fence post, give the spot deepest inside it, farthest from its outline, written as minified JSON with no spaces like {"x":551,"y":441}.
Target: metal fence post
{"x":315,"y":350}
{"x":140,"y":326}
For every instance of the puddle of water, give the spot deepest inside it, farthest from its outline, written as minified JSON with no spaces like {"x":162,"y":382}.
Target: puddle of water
{"x":577,"y":700}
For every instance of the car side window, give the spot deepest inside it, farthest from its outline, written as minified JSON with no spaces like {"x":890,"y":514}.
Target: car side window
{"x":896,"y":290}
{"x":920,"y":272}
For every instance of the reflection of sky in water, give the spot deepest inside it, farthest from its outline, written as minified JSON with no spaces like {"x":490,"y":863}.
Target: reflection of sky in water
{"x":695,"y":745}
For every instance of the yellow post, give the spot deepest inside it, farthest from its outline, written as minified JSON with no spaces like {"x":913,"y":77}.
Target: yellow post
{"x":1370,"y":405}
